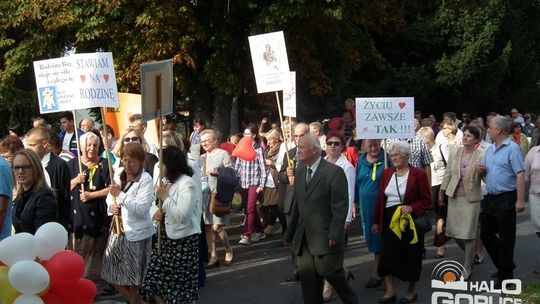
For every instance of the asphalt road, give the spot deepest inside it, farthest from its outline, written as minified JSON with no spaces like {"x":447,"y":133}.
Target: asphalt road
{"x":259,"y":270}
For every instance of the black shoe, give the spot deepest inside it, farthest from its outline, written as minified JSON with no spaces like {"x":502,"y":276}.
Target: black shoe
{"x":240,"y":210}
{"x":295,"y":276}
{"x":373,"y":282}
{"x":495,"y":275}
{"x":406,"y":300}
{"x":390,"y":300}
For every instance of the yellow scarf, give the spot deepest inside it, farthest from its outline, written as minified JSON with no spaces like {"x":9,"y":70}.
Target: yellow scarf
{"x":399,"y":223}
{"x":374,"y":171}
{"x":91,"y":172}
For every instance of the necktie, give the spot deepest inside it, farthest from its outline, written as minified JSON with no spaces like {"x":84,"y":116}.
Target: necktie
{"x":309,"y":173}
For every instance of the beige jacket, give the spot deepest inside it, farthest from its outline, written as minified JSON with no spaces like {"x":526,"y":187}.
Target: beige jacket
{"x":471,"y":180}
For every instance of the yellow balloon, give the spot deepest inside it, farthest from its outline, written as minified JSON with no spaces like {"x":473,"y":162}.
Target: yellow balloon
{"x":7,"y":292}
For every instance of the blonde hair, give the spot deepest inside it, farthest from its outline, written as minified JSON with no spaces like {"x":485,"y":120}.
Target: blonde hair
{"x":173,"y":139}
{"x":273,"y":134}
{"x":426,"y":133}
{"x":120,"y":146}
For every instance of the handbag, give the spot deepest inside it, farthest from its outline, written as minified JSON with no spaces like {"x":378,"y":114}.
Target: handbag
{"x":422,"y":223}
{"x":217,"y":207}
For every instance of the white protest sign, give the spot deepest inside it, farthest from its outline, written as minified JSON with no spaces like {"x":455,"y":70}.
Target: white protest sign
{"x":385,"y":117}
{"x":270,"y":63}
{"x":289,"y":96}
{"x":156,"y":82}
{"x":79,"y":81}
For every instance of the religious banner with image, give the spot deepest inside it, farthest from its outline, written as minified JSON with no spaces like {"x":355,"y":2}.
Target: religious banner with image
{"x":384,"y":117}
{"x":270,"y":62}
{"x":79,"y":81}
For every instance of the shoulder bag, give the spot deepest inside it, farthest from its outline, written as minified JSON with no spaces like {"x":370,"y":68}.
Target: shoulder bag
{"x":422,"y":223}
{"x":215,"y":206}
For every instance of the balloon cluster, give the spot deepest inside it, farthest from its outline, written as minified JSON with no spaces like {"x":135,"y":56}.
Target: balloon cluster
{"x":37,"y":269}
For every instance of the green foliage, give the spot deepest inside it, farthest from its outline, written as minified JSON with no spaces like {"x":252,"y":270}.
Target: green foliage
{"x":474,"y":56}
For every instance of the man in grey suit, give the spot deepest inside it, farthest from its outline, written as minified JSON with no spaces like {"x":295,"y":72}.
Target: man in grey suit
{"x":316,"y":229}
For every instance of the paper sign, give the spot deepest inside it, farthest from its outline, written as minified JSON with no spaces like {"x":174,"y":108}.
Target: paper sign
{"x":156,"y":76}
{"x":270,"y":63}
{"x":385,"y":117}
{"x":289,"y":96}
{"x":79,"y":81}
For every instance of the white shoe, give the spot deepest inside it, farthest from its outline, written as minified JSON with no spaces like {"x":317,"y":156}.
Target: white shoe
{"x":244,"y":240}
{"x":255,"y":237}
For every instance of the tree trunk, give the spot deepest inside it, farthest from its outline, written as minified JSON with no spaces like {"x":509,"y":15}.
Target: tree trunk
{"x":222,"y":116}
{"x":201,"y":105}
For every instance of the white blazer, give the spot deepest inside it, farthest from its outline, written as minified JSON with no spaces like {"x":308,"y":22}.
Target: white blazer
{"x":182,"y":209}
{"x":136,"y":204}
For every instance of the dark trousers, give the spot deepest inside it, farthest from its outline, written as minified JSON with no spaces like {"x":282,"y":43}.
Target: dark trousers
{"x":498,"y":222}
{"x":315,"y":269}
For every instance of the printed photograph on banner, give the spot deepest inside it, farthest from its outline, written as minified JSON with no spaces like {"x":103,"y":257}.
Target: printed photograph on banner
{"x":79,"y":81}
{"x":289,"y":96}
{"x":270,"y":62}
{"x":384,"y":117}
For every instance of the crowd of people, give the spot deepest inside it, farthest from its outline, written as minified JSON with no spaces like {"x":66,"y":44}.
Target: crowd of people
{"x":142,"y":218}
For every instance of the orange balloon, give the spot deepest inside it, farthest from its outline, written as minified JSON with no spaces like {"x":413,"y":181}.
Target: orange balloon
{"x":244,"y":149}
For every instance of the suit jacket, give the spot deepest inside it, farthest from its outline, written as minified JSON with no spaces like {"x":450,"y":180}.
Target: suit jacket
{"x":417,"y":193}
{"x":471,"y":180}
{"x":59,"y":173}
{"x":319,"y":210}
{"x":286,"y":191}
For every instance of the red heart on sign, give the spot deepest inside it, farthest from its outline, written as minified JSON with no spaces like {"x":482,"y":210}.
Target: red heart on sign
{"x":106,"y":77}
{"x":402,"y":105}
{"x":83,"y":78}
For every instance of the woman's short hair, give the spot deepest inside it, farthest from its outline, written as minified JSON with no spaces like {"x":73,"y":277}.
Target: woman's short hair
{"x":83,"y":140}
{"x":210,"y":132}
{"x":176,"y":163}
{"x":426,"y":133}
{"x":120,"y":145}
{"x":37,"y":168}
{"x":133,"y":150}
{"x":403,"y":147}
{"x":11,"y":144}
{"x":273,"y":134}
{"x":516,"y":125}
{"x":474,"y":130}
{"x":173,"y":139}
{"x":339,"y":135}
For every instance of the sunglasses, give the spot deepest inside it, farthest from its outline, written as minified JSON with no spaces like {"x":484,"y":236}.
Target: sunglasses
{"x":134,"y":138}
{"x":23,"y":167}
{"x":333,"y":143}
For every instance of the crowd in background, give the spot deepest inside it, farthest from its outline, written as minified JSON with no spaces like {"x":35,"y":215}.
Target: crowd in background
{"x":468,"y":173}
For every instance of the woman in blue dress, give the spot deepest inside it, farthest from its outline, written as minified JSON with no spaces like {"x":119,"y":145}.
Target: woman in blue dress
{"x":368,"y":173}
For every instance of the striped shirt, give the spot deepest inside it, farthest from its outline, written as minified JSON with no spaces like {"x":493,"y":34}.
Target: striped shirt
{"x":251,"y":173}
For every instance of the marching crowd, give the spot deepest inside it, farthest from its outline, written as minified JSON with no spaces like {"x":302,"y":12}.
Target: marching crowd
{"x":151,"y":239}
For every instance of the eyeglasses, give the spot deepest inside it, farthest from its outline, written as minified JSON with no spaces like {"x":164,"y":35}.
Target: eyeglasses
{"x":134,"y":138}
{"x":206,"y":141}
{"x":22,"y":167}
{"x":333,"y":143}
{"x":298,"y":135}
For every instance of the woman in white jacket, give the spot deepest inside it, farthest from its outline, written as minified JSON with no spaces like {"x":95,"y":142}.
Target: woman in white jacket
{"x":126,"y":257}
{"x":172,"y":276}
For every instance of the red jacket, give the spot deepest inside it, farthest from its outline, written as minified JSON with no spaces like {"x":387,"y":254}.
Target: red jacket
{"x":417,"y":193}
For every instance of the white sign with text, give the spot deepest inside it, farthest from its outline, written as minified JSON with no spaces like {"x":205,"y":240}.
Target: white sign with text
{"x":79,"y":81}
{"x":384,"y":117}
{"x":289,"y":96}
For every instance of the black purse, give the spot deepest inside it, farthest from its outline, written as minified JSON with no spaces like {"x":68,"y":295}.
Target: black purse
{"x":422,"y":223}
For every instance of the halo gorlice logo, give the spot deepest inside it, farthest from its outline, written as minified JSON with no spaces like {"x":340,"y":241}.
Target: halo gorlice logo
{"x":450,"y":275}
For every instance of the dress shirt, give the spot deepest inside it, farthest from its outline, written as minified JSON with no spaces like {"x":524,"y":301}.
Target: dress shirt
{"x":502,"y":164}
